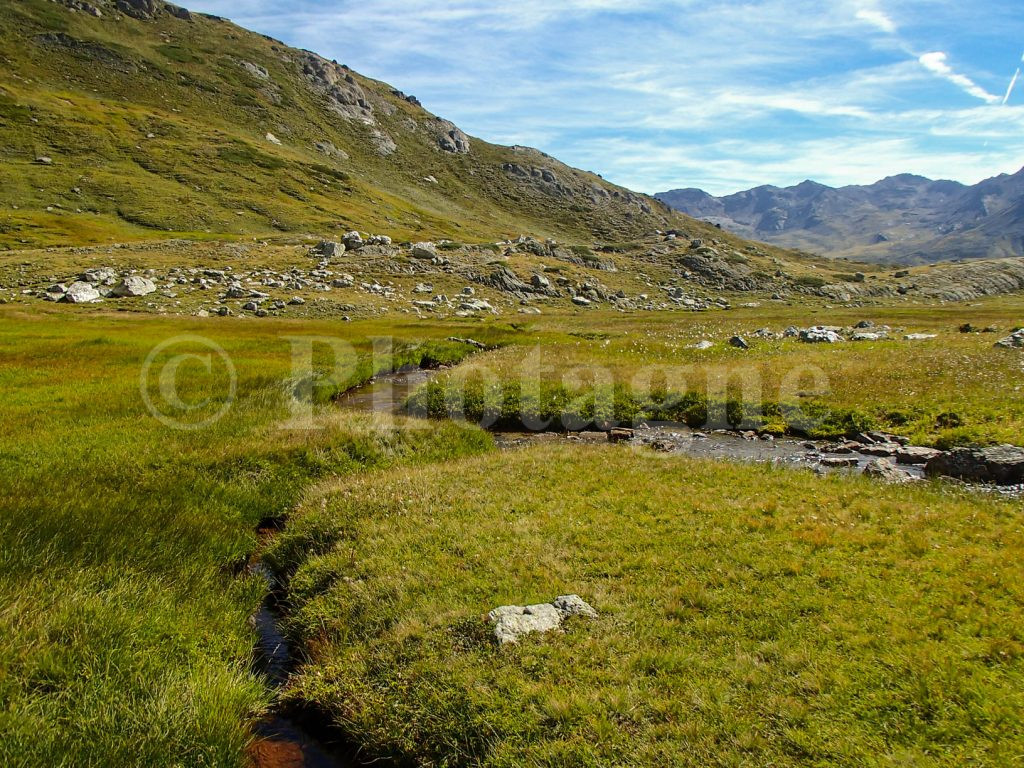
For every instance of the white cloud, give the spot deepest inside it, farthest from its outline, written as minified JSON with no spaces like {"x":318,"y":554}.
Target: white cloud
{"x":935,"y":62}
{"x":878,"y":19}
{"x":662,"y":93}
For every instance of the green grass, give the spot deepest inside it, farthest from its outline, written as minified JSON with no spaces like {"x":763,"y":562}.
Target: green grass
{"x":748,"y":615}
{"x":574,"y":369}
{"x":123,"y":613}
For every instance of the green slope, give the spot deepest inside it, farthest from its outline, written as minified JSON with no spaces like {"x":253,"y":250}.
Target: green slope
{"x":159,"y":124}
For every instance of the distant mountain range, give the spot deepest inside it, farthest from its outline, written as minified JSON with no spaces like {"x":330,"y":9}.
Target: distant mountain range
{"x":904,"y":218}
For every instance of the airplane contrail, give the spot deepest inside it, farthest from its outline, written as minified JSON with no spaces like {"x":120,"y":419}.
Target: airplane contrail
{"x":1013,"y":82}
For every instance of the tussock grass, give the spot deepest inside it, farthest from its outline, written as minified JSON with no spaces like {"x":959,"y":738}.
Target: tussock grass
{"x":747,"y":615}
{"x":122,"y":607}
{"x":573,"y":370}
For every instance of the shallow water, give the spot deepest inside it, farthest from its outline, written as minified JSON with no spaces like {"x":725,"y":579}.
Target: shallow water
{"x":387,"y":392}
{"x":285,"y":739}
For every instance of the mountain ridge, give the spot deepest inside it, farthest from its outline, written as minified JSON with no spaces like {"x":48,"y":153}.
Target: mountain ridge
{"x":901,"y":218}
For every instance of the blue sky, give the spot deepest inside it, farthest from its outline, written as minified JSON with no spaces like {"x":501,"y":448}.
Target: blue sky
{"x":680,"y":93}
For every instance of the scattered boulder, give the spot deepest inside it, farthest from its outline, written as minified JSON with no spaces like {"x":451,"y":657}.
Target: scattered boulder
{"x":329,"y":249}
{"x":1014,"y":341}
{"x":255,"y":70}
{"x":820,"y":334}
{"x":44,"y":160}
{"x":999,"y":464}
{"x":919,"y":336}
{"x":539,"y":281}
{"x":620,"y":435}
{"x":99,"y":275}
{"x":739,"y":342}
{"x":916,"y":454}
{"x":132,"y":287}
{"x":475,"y":305}
{"x":81,"y":293}
{"x":424,"y":251}
{"x":353,"y":241}
{"x":471,"y":342}
{"x":838,"y":462}
{"x":885,"y":470}
{"x":574,"y":605}
{"x":511,"y":622}
{"x":702,"y":344}
{"x":581,"y":301}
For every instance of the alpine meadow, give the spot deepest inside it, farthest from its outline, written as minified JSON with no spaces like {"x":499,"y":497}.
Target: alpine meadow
{"x":332,"y":435}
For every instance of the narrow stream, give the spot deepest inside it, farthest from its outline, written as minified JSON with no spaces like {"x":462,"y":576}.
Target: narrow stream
{"x":286,"y":739}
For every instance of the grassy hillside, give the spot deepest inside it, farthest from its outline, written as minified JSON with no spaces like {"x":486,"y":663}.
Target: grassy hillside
{"x":160,"y":124}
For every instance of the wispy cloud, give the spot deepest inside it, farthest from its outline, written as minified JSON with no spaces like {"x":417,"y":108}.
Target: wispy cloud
{"x":724,"y":94}
{"x":936,"y":62}
{"x":876,"y":18}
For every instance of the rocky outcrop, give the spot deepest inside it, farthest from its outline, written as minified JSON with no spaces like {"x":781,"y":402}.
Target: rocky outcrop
{"x":139,"y":9}
{"x":505,"y":280}
{"x":339,"y":87}
{"x":449,"y":138}
{"x":998,"y":464}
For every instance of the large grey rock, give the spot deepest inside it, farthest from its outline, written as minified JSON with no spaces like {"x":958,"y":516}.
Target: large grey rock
{"x":1014,"y":341}
{"x":138,"y":9}
{"x":511,"y":622}
{"x":739,"y":342}
{"x":882,"y":469}
{"x":178,"y":12}
{"x":476,"y":305}
{"x":81,"y":293}
{"x":133,"y":286}
{"x":424,"y":251}
{"x":574,"y":605}
{"x":329,"y":249}
{"x":820,"y":334}
{"x":916,"y":454}
{"x":999,"y":464}
{"x":99,"y":275}
{"x":353,"y":240}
